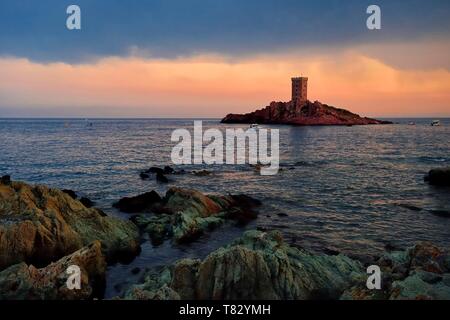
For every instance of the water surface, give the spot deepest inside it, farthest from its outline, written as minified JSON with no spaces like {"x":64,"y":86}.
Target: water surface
{"x":349,"y":189}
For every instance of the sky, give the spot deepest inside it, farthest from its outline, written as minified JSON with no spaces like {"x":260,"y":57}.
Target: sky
{"x":203,"y":58}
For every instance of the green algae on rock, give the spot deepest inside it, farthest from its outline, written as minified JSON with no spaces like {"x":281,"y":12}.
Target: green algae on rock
{"x":186,"y":214}
{"x":257,"y":266}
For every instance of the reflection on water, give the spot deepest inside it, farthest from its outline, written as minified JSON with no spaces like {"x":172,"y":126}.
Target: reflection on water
{"x":350,"y":189}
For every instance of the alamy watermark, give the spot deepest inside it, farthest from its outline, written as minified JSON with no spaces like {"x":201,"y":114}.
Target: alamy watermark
{"x":73,"y":21}
{"x":374,"y":20}
{"x":237,"y":147}
{"x":374,"y":280}
{"x":74,"y":280}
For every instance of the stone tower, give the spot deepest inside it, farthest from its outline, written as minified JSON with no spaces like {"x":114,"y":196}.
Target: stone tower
{"x":299,"y":90}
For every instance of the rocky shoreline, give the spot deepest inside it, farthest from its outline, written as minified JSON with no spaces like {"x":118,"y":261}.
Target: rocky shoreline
{"x":45,"y":230}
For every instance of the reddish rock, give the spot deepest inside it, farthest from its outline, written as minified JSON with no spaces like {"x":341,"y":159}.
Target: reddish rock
{"x":305,"y":114}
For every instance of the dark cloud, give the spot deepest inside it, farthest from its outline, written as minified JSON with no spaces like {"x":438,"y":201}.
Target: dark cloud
{"x":170,"y":28}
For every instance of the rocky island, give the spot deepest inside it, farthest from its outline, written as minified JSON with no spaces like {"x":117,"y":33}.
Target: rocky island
{"x":301,"y":111}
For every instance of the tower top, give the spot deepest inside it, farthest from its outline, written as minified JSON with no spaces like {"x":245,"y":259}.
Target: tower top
{"x":299,"y":78}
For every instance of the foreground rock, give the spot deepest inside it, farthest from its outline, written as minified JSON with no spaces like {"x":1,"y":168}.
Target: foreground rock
{"x":439,"y":177}
{"x":257,"y":266}
{"x":39,"y":225}
{"x":186,"y":214}
{"x":308,"y":113}
{"x":25,"y":282}
{"x":418,"y":273}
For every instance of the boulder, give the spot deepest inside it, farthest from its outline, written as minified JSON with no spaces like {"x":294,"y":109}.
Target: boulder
{"x":168,"y":170}
{"x":88,"y":203}
{"x":160,"y":173}
{"x":258,"y":266}
{"x":161,"y":178}
{"x":440,"y":213}
{"x":5,"y":179}
{"x":26,"y":282}
{"x":138,"y":203}
{"x":155,"y":170}
{"x":439,"y":177}
{"x":39,"y":225}
{"x":144,"y":176}
{"x":186,"y":214}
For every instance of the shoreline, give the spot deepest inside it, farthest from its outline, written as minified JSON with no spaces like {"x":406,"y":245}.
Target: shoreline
{"x":351,"y":289}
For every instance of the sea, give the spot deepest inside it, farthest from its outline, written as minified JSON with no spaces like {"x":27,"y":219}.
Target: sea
{"x":343,"y":189}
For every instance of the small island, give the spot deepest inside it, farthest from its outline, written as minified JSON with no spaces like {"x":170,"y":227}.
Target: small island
{"x":300,"y":111}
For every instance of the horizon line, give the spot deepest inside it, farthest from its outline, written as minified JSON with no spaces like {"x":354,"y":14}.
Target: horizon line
{"x":183,"y":118}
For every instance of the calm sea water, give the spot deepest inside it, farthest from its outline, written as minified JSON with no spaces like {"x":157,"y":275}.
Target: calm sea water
{"x":343,"y":188}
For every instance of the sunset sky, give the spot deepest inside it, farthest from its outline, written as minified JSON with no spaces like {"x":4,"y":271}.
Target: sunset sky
{"x":203,"y":58}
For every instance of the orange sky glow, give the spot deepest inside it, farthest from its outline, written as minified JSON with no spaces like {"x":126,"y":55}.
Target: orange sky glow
{"x":213,"y":85}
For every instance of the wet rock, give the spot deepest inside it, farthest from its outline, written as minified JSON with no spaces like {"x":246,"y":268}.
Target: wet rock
{"x":158,"y":227}
{"x":186,"y":214}
{"x":168,"y":170}
{"x":88,"y":203}
{"x":71,"y":193}
{"x":257,"y":266}
{"x":135,"y":270}
{"x":242,"y":208}
{"x":409,"y":207}
{"x":26,"y":282}
{"x":84,"y":200}
{"x":439,"y":177}
{"x":144,"y":176}
{"x":330,"y":252}
{"x":5,"y":180}
{"x":160,"y":173}
{"x":441,"y":213}
{"x":389,"y":247}
{"x":245,"y":201}
{"x":155,"y":170}
{"x":140,"y":203}
{"x":161,"y":178}
{"x":282,"y":215}
{"x":39,"y":224}
{"x":202,"y":173}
